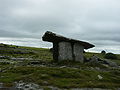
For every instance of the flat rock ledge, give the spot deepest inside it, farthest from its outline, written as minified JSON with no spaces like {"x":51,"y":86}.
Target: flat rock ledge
{"x":32,"y":86}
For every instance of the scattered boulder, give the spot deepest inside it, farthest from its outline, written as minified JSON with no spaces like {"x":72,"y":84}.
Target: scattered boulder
{"x":27,"y":86}
{"x":110,"y":63}
{"x":96,"y":59}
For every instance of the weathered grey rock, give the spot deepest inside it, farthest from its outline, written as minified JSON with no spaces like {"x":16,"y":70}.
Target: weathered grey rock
{"x":27,"y":86}
{"x":78,"y":52}
{"x":100,"y":77}
{"x":94,"y":59}
{"x":110,"y":63}
{"x":105,"y":62}
{"x":65,"y":51}
{"x":63,"y":66}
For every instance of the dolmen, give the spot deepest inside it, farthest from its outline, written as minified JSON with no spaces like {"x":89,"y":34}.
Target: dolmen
{"x":66,"y":48}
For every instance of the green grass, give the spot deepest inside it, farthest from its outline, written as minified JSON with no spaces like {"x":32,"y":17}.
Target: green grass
{"x":31,"y":52}
{"x":78,"y":75}
{"x":62,"y":77}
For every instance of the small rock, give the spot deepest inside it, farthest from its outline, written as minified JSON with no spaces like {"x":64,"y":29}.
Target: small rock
{"x":45,"y":82}
{"x":97,"y":68}
{"x":27,"y":86}
{"x":100,"y":77}
{"x":94,"y":59}
{"x":1,"y":85}
{"x":63,"y":67}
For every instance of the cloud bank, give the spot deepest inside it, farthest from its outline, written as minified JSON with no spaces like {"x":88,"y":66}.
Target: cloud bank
{"x":23,"y":22}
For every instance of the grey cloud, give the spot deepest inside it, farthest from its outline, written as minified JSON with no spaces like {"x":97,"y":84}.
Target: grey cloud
{"x":7,"y":33}
{"x":96,"y":21}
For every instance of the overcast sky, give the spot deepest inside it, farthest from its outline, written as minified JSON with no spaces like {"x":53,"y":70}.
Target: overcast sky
{"x":23,"y":22}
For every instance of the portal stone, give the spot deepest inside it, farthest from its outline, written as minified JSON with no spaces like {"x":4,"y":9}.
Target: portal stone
{"x":78,"y":52}
{"x":65,"y":51}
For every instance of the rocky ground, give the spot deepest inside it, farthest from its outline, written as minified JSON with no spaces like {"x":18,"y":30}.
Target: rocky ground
{"x":27,"y":68}
{"x":32,"y":86}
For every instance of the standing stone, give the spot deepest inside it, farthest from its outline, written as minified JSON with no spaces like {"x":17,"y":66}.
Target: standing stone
{"x":78,"y":52}
{"x":65,"y":51}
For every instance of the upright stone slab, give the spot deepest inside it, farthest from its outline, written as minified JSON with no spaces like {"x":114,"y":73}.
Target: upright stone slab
{"x":78,"y":52}
{"x":65,"y":51}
